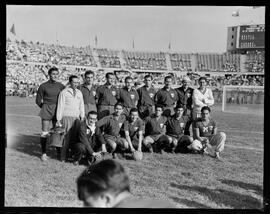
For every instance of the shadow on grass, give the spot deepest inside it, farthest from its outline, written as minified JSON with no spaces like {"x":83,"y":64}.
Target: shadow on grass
{"x":29,"y":144}
{"x":190,"y":203}
{"x":224,"y":197}
{"x":258,"y":189}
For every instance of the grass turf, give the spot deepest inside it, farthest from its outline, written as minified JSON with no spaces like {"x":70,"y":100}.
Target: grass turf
{"x":186,"y":180}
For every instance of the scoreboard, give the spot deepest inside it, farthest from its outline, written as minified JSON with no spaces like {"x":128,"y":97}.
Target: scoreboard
{"x":250,"y":36}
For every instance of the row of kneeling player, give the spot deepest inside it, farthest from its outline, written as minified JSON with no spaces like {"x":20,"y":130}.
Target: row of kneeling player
{"x":117,"y":134}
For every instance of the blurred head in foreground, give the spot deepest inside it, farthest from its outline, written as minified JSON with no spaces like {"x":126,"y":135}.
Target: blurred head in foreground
{"x":104,"y":184}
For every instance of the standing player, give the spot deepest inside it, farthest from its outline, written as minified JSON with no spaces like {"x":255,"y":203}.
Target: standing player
{"x":185,"y":96}
{"x":70,"y":107}
{"x":177,"y":130}
{"x":46,"y":99}
{"x":206,"y":132}
{"x":128,"y":96}
{"x":133,"y":128}
{"x":202,"y":96}
{"x":155,"y":129}
{"x":146,"y":103}
{"x":111,"y":125}
{"x":167,"y":97}
{"x":107,"y":96}
{"x":88,"y":90}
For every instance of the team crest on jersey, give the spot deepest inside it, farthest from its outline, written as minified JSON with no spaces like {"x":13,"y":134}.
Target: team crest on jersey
{"x":132,"y":96}
{"x":211,"y":128}
{"x":120,"y":124}
{"x":161,"y":125}
{"x":94,"y":93}
{"x":113,"y":93}
{"x":87,"y":131}
{"x":172,"y":95}
{"x":205,"y":129}
{"x":182,"y":125}
{"x":136,"y":128}
{"x":151,"y":95}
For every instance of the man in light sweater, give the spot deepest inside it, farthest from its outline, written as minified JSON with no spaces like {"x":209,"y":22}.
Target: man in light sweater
{"x":70,"y":107}
{"x":202,"y":96}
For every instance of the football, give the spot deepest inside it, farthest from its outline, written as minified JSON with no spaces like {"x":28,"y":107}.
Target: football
{"x":196,"y":145}
{"x":137,"y":155}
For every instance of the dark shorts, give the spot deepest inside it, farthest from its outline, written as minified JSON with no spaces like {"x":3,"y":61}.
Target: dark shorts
{"x":104,"y":111}
{"x":168,"y":111}
{"x":145,"y":111}
{"x":48,"y":112}
{"x":89,"y":107}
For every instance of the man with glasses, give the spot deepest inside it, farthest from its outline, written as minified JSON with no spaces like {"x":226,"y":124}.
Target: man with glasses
{"x":86,"y":140}
{"x":70,"y":108}
{"x":202,"y":96}
{"x":46,"y":99}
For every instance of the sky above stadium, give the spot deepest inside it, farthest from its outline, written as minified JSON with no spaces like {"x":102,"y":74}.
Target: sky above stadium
{"x":152,"y":28}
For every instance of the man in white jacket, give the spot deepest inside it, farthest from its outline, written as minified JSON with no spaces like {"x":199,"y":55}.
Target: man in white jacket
{"x":70,"y":107}
{"x":202,"y":96}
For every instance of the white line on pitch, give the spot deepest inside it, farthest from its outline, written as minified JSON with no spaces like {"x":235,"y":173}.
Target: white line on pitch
{"x":22,"y":115}
{"x":239,"y":131}
{"x":243,"y":147}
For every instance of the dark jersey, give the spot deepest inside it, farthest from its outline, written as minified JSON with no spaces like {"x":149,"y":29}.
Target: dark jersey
{"x":166,"y":98}
{"x":48,"y":93}
{"x":128,"y":98}
{"x":154,"y":125}
{"x":177,"y":128}
{"x":146,"y":97}
{"x":185,"y":97}
{"x":133,"y":128}
{"x":205,"y":130}
{"x":111,"y":125}
{"x":107,"y":96}
{"x":89,"y":96}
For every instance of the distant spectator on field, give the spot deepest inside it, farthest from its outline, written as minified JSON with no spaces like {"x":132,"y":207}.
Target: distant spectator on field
{"x":202,"y":96}
{"x":206,"y":132}
{"x":106,"y":185}
{"x":70,"y":108}
{"x":185,"y":95}
{"x":146,"y":103}
{"x":167,"y":97}
{"x":128,"y":96}
{"x":88,"y":90}
{"x":46,"y":99}
{"x":107,"y":96}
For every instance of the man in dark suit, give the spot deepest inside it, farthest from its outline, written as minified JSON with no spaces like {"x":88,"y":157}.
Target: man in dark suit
{"x":87,"y":139}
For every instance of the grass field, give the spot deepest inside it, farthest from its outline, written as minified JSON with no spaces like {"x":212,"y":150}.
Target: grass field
{"x":186,"y":180}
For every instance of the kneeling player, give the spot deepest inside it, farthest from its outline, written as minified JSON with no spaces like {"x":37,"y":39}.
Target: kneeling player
{"x":133,"y":128}
{"x":177,"y":131}
{"x":111,"y":125}
{"x":155,"y":129}
{"x":206,"y":133}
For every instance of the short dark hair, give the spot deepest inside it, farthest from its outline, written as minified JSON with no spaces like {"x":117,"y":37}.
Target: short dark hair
{"x":202,"y":78}
{"x":52,"y":69}
{"x":180,"y":106}
{"x":206,"y":108}
{"x":72,"y":77}
{"x":109,"y":73}
{"x":128,"y":78}
{"x":89,"y":72}
{"x":106,"y":175}
{"x":159,"y":106}
{"x":133,"y":110}
{"x":91,"y":112}
{"x":148,"y":76}
{"x":118,"y":104}
{"x":168,"y":77}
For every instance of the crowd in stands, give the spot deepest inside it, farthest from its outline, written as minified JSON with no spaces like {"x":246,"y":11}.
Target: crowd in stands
{"x":108,"y":58}
{"x":255,"y":61}
{"x":145,"y":60}
{"x":180,"y":62}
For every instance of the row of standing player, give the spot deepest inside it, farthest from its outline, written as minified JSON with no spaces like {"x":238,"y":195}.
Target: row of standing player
{"x":63,"y":105}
